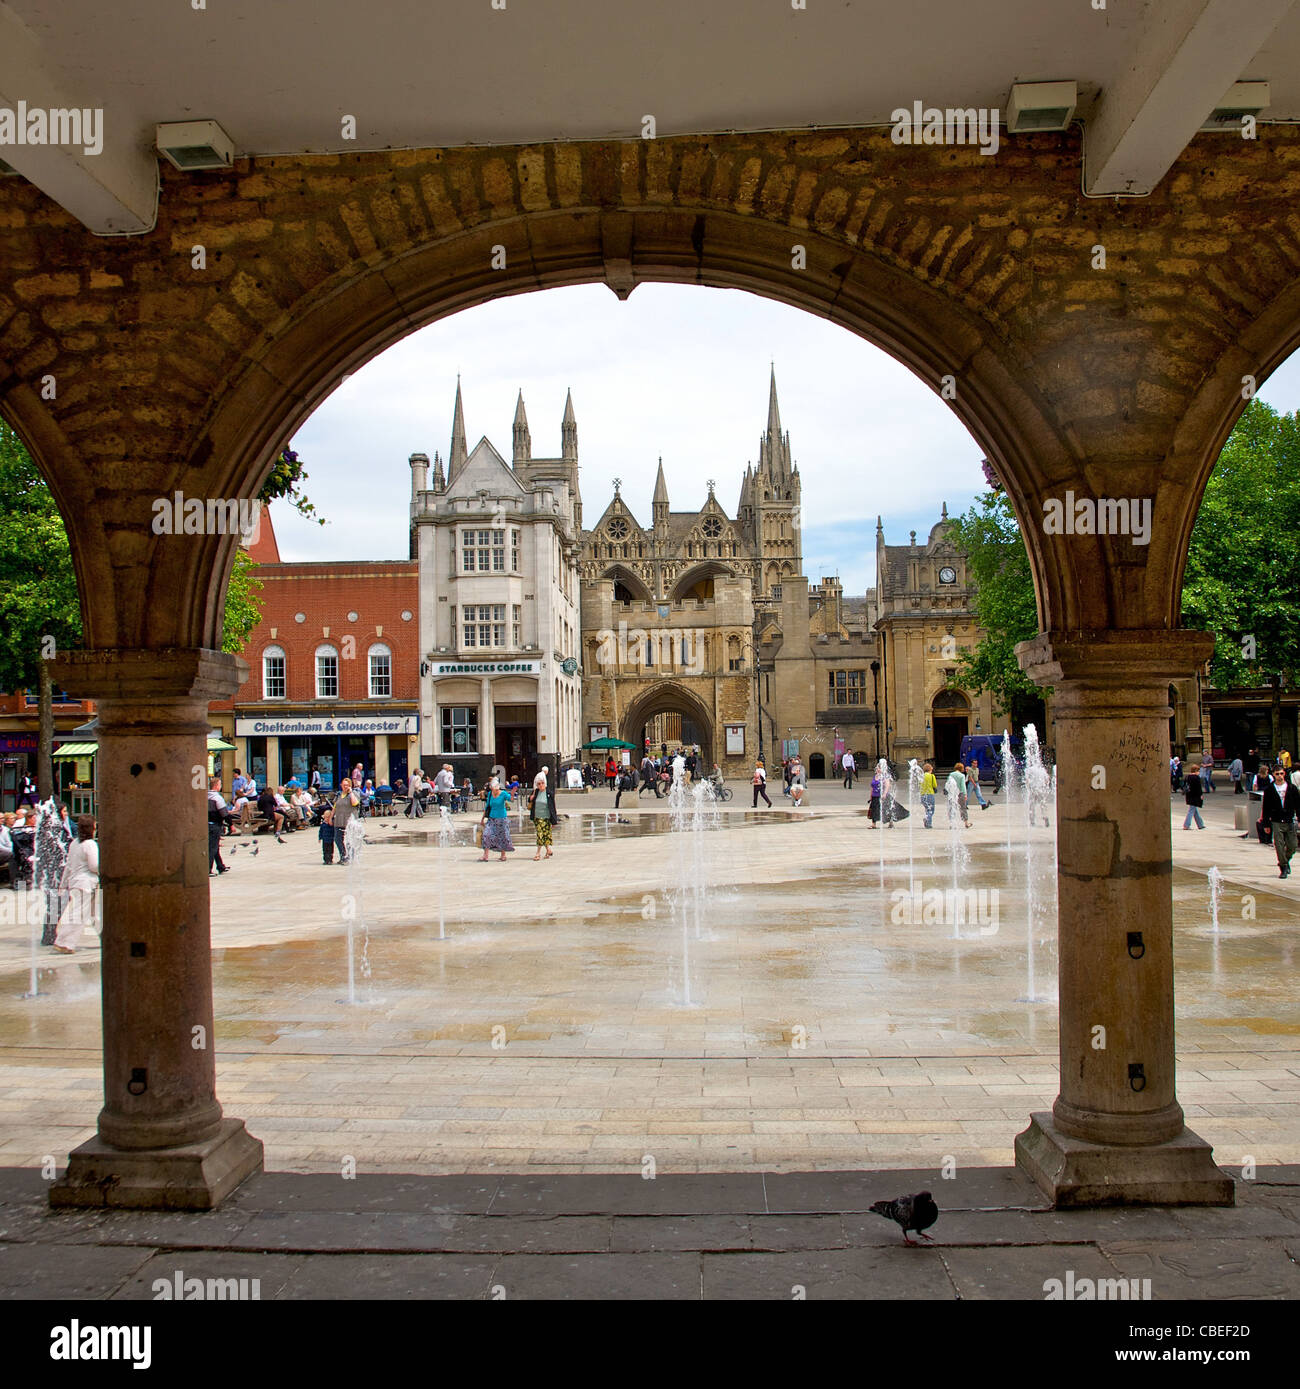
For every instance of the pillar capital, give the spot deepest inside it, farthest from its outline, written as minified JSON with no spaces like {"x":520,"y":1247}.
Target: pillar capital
{"x":1123,"y":658}
{"x":144,"y":677}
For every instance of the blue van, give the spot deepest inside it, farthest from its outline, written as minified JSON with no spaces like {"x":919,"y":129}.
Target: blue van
{"x":984,"y":750}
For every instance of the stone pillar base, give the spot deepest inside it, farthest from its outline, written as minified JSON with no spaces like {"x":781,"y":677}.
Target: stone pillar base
{"x":1074,"y":1173}
{"x":194,"y":1177}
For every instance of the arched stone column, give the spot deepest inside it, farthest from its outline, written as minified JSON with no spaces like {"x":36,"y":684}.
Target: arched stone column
{"x":162,"y":1140}
{"x":1116,"y":1133}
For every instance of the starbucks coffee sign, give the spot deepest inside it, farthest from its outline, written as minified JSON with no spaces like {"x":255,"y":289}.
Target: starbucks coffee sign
{"x":486,"y":668}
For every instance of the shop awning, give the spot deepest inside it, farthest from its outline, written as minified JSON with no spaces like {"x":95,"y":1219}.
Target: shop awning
{"x":215,"y":744}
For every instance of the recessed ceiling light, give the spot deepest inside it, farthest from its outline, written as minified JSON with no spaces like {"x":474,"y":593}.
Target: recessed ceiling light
{"x":1035,"y":106}
{"x":191,"y":145}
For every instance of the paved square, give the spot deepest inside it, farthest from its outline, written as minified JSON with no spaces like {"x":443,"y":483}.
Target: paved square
{"x":577,"y":1019}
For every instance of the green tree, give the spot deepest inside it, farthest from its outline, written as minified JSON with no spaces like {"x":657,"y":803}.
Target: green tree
{"x":40,"y":610}
{"x":40,"y":613}
{"x":1242,"y":580}
{"x":998,"y":563}
{"x":242,"y":611}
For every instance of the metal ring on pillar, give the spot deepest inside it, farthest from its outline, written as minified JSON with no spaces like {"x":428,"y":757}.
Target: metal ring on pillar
{"x":1137,"y":1079}
{"x":1136,"y":945}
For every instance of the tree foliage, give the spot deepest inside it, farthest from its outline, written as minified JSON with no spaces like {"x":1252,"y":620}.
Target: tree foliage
{"x":1242,"y":580}
{"x":242,"y":610}
{"x":998,"y":564}
{"x":38,"y":586}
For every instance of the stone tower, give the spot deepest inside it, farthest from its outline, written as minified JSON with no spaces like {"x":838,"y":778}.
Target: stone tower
{"x":770,"y":497}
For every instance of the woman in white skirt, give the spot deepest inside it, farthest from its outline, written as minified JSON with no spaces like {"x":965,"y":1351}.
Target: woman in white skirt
{"x":80,"y":881}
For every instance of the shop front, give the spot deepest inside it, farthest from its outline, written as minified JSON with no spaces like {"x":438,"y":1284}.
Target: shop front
{"x":284,"y":748}
{"x":487,"y":714}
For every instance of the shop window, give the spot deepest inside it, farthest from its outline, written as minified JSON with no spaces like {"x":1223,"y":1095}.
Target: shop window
{"x":381,"y":672}
{"x":459,"y":729}
{"x":327,"y":673}
{"x":273,"y":685}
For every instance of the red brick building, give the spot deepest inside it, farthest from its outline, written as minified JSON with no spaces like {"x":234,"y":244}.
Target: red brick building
{"x":333,"y":670}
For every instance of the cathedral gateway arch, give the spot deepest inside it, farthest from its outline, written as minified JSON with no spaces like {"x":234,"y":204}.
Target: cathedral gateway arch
{"x":164,"y":330}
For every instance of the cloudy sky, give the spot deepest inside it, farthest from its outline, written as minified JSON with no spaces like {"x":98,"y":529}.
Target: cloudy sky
{"x":676,"y":370}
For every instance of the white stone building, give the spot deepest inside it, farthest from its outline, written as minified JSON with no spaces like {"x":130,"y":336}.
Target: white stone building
{"x":497,"y":546}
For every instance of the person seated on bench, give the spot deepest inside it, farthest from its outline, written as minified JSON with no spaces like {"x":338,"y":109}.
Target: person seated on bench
{"x":267,"y":807}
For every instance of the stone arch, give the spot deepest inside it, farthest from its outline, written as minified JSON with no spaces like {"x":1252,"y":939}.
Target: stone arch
{"x":284,"y":370}
{"x":669,"y":696}
{"x":696,"y":575}
{"x":632,"y":582}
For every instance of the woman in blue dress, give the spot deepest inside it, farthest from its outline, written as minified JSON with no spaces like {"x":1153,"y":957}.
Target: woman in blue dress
{"x":496,"y":825}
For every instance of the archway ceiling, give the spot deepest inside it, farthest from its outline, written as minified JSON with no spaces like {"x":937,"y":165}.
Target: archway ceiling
{"x":280,"y":77}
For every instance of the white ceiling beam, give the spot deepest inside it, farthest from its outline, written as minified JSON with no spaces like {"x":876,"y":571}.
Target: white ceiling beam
{"x":112,"y":191}
{"x":1183,"y":62}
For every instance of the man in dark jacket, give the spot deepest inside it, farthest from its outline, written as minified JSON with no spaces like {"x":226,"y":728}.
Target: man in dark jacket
{"x":1281,"y":807}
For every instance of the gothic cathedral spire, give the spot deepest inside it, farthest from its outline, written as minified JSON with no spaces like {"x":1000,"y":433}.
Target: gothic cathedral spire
{"x":459,"y":453}
{"x":523,"y":440}
{"x":661,"y":498}
{"x":569,"y":431}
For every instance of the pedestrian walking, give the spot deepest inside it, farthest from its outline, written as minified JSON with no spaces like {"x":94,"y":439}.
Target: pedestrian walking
{"x":80,"y":881}
{"x":760,"y":784}
{"x":873,"y":809}
{"x":1235,"y":772}
{"x":626,"y":782}
{"x":1281,"y":806}
{"x":955,"y":790}
{"x":542,"y":812}
{"x":346,"y":804}
{"x":218,"y":814}
{"x":495,"y":822}
{"x":1207,"y":773}
{"x":611,"y":772}
{"x":849,"y":766}
{"x":1194,"y":795}
{"x":929,"y":790}
{"x":798,"y":782}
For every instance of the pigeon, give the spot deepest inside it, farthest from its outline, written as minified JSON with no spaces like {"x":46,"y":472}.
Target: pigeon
{"x":257,"y":848}
{"x":911,"y":1212}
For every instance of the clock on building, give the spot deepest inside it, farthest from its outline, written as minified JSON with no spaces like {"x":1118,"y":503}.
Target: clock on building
{"x":947,"y":575}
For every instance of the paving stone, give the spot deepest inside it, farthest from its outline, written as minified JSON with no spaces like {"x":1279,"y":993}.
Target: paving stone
{"x":368,"y":1191}
{"x":650,"y":1233}
{"x":1225,"y":1269}
{"x":673,"y":1194}
{"x":650,"y":1277}
{"x":405,"y":1277}
{"x":65,"y":1271}
{"x":984,"y":1274}
{"x":971,"y":1187}
{"x":839,"y":1274}
{"x":265,"y":1275}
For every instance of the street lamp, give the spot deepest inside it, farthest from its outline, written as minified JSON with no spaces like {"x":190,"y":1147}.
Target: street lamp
{"x":875,"y":695}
